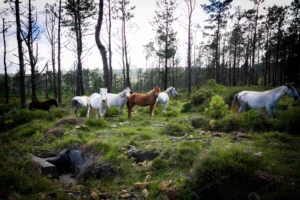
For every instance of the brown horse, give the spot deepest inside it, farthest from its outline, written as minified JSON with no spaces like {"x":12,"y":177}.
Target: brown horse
{"x":143,"y":100}
{"x":43,"y":105}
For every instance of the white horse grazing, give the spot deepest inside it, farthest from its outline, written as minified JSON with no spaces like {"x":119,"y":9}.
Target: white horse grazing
{"x":163,"y":98}
{"x":268,"y":99}
{"x":79,"y":101}
{"x":114,"y":100}
{"x":98,"y":101}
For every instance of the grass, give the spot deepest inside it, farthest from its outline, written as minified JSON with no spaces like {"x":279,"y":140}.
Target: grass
{"x":210,"y":167}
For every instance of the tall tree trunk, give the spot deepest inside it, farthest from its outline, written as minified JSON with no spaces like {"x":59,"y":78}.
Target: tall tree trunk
{"x":53,"y":68}
{"x":100,"y":46}
{"x":217,"y":61}
{"x":21,"y":55}
{"x":189,"y":56}
{"x":109,"y":47}
{"x":58,"y":55}
{"x":126,"y":57}
{"x":166,"y":51}
{"x":46,"y":82}
{"x":4,"y":29}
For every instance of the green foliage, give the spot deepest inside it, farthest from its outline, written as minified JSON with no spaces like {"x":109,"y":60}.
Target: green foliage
{"x":200,"y":122}
{"x":184,"y":155}
{"x":223,"y":171}
{"x":171,"y":113}
{"x":93,"y":122}
{"x":231,"y":122}
{"x":217,"y":107}
{"x":216,"y":88}
{"x":201,"y":95}
{"x":160,"y":164}
{"x":186,"y":107}
{"x":114,"y":111}
{"x":177,"y":129}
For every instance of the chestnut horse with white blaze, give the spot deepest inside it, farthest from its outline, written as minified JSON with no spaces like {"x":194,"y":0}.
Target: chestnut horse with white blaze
{"x":148,"y":99}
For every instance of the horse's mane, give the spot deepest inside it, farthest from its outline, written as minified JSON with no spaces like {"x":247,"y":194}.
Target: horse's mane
{"x":151,"y":92}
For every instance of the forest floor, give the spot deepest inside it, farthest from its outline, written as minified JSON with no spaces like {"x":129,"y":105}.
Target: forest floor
{"x":193,"y":162}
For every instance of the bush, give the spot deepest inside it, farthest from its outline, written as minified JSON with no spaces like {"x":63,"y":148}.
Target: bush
{"x":114,"y":111}
{"x":171,"y":113}
{"x":217,"y":107}
{"x":159,"y":164}
{"x":216,"y":88}
{"x":185,"y":154}
{"x":200,"y":122}
{"x":186,"y":107}
{"x":201,"y":96}
{"x":177,"y":129}
{"x":223,"y":173}
{"x":93,"y":122}
{"x":232,"y":122}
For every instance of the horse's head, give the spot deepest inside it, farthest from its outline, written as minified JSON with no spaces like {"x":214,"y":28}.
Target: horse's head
{"x":55,"y":102}
{"x":103,"y":92}
{"x":156,"y":90}
{"x":292,"y":91}
{"x":31,"y":106}
{"x":174,"y":92}
{"x":126,"y":92}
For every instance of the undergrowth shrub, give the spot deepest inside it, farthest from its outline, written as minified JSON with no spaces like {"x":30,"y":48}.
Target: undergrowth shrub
{"x":114,"y":111}
{"x":93,"y":122}
{"x":176,"y":129}
{"x":201,"y":95}
{"x":216,"y":88}
{"x":217,"y":107}
{"x":200,"y":122}
{"x":159,"y":164}
{"x":231,"y":122}
{"x":185,"y":153}
{"x":186,"y":107}
{"x":229,"y":174}
{"x":171,"y":113}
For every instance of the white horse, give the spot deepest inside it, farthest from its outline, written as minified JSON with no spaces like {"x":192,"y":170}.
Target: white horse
{"x":98,"y":101}
{"x":163,"y":98}
{"x":268,"y":99}
{"x":114,"y":100}
{"x":79,"y":101}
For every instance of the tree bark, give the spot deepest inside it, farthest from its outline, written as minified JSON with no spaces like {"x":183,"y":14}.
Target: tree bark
{"x":100,"y":46}
{"x":21,"y":55}
{"x":58,"y":55}
{"x":4,"y":29}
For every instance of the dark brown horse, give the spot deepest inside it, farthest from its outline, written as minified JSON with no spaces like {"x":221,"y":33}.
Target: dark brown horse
{"x":143,"y":100}
{"x":43,"y":105}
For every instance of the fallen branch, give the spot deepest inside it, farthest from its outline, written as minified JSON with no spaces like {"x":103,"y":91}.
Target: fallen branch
{"x":177,"y":138}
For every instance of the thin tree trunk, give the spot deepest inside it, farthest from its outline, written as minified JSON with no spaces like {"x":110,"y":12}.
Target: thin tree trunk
{"x":58,"y":55}
{"x":4,"y":62}
{"x":100,"y":46}
{"x":21,"y":56}
{"x":109,"y":47}
{"x":46,"y":82}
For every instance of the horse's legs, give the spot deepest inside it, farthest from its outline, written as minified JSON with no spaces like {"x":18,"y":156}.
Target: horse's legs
{"x":76,"y":111}
{"x":242,"y":108}
{"x":96,"y":113}
{"x":88,"y":112}
{"x":120,"y":110}
{"x":165,"y":107}
{"x":151,"y":110}
{"x":269,"y":111}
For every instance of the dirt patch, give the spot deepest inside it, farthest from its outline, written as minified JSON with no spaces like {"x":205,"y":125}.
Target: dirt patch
{"x":70,"y":121}
{"x":95,"y":169}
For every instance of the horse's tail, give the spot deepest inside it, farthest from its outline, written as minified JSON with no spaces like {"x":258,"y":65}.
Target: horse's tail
{"x":73,"y":106}
{"x":91,"y":110}
{"x":235,"y":103}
